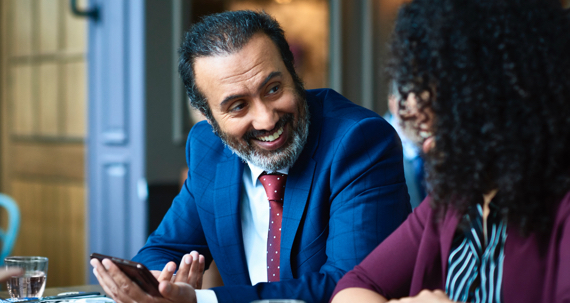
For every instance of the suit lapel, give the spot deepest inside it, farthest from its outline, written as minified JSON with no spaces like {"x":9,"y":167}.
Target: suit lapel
{"x":296,"y":197}
{"x":227,"y":193}
{"x":298,"y":188}
{"x":447,"y":231}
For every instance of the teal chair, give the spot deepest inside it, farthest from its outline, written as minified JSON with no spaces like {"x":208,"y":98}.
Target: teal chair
{"x":8,"y":236}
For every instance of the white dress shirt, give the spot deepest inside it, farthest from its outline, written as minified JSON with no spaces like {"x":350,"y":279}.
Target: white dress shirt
{"x":254,"y":208}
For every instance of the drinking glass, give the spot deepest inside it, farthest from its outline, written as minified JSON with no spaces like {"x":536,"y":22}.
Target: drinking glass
{"x":33,"y":282}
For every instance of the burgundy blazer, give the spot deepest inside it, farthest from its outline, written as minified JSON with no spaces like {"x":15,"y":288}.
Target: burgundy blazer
{"x":414,"y":257}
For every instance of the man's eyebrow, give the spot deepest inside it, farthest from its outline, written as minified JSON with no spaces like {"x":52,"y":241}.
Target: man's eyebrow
{"x":230,"y":98}
{"x":271,"y":76}
{"x":267,"y":79}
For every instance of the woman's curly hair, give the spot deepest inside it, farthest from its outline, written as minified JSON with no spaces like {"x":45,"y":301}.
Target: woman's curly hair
{"x":497,"y":74}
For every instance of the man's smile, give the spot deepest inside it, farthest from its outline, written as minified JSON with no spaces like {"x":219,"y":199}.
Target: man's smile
{"x":276,"y":139}
{"x":272,"y":137}
{"x":259,"y":111}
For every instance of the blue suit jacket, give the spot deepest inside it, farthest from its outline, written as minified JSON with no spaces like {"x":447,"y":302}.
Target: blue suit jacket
{"x":344,"y":195}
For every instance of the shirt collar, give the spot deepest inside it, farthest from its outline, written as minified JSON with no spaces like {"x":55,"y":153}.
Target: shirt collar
{"x":409,"y":148}
{"x":256,"y":171}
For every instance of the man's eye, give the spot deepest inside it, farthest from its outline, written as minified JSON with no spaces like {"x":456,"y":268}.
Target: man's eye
{"x":237,"y":107}
{"x":274,"y":89}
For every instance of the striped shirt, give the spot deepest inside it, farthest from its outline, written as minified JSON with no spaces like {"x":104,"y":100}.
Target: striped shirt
{"x":475,"y":265}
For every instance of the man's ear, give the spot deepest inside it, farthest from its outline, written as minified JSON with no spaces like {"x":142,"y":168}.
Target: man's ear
{"x":196,"y":115}
{"x":202,"y":113}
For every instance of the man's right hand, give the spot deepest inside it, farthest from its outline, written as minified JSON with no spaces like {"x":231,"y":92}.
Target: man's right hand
{"x":123,"y":290}
{"x":191,"y":270}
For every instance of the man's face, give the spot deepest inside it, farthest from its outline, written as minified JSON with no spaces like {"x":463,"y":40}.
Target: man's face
{"x":257,"y":111}
{"x":418,"y":125}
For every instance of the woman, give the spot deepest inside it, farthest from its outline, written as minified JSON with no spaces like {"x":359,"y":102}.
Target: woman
{"x":487,"y":84}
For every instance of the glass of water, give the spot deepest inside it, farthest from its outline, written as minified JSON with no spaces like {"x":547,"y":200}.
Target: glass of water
{"x":33,"y":282}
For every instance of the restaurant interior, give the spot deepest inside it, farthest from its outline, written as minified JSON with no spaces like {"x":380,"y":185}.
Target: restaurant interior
{"x":94,"y":118}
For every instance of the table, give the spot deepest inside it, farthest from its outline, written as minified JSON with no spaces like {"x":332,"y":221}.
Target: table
{"x":53,"y":291}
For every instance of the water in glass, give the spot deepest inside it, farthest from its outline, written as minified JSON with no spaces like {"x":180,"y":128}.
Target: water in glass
{"x":32,"y":284}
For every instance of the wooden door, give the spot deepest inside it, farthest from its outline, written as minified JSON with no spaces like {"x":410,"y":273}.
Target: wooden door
{"x":43,"y":126}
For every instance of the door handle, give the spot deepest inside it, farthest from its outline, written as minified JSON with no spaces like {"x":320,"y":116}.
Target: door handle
{"x":92,"y":12}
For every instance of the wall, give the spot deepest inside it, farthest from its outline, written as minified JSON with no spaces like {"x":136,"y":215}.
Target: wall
{"x":43,"y":122}
{"x":164,"y":157}
{"x":306,"y":26}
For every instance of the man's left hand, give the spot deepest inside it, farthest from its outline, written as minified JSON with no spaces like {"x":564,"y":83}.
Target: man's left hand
{"x":123,"y":290}
{"x":191,"y":270}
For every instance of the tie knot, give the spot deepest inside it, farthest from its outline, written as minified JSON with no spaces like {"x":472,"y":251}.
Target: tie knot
{"x":274,"y":185}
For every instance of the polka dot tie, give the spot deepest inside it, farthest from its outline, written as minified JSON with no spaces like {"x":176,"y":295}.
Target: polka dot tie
{"x":274,"y":185}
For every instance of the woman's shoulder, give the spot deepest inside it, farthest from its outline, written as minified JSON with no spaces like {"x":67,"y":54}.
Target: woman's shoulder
{"x":438,"y":219}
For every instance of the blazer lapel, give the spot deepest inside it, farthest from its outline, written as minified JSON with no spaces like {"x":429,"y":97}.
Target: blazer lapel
{"x":227,"y":193}
{"x":298,"y":188}
{"x":296,"y":197}
{"x":447,"y":231}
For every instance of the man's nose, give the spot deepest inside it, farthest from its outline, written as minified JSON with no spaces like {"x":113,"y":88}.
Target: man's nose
{"x":265,"y":117}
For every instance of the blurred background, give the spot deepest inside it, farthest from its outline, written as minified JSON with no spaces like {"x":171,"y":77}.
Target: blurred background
{"x":93,"y":116}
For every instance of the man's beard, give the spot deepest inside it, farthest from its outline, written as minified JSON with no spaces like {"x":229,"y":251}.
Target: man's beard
{"x":409,"y":128}
{"x":272,"y":160}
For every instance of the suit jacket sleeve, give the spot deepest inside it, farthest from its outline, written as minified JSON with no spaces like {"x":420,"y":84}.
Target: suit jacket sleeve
{"x":179,"y":232}
{"x":367,"y":200}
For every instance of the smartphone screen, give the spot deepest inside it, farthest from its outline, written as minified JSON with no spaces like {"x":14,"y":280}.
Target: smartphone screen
{"x":137,"y":272}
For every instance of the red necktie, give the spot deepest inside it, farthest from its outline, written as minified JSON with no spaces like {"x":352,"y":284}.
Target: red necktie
{"x":275,"y":189}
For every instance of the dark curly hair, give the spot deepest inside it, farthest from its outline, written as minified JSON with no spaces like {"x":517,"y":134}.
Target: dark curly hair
{"x":497,"y":77}
{"x":227,"y":33}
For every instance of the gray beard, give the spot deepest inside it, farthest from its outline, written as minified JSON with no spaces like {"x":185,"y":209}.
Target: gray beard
{"x":274,"y":160}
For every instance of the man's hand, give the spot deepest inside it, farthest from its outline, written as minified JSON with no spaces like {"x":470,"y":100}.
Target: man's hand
{"x":5,"y":274}
{"x":425,"y":296}
{"x":121,"y":289}
{"x":191,"y":270}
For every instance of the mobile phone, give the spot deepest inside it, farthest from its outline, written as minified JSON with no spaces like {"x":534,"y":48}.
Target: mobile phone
{"x":137,"y":272}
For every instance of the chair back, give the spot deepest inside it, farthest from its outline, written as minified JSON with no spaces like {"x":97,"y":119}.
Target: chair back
{"x":8,"y":236}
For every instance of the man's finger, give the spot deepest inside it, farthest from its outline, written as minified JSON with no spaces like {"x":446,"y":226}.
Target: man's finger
{"x":156,"y":273}
{"x":202,"y":263}
{"x":126,"y":290}
{"x":105,"y":280}
{"x":184,"y":269}
{"x":177,"y":292}
{"x":106,"y":288}
{"x":167,"y":272}
{"x":196,"y":271}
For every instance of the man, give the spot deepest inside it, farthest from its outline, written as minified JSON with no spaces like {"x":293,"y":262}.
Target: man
{"x":344,"y":188}
{"x":411,"y":142}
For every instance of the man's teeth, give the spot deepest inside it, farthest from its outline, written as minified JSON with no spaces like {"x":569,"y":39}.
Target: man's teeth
{"x":271,"y":137}
{"x":425,"y":134}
